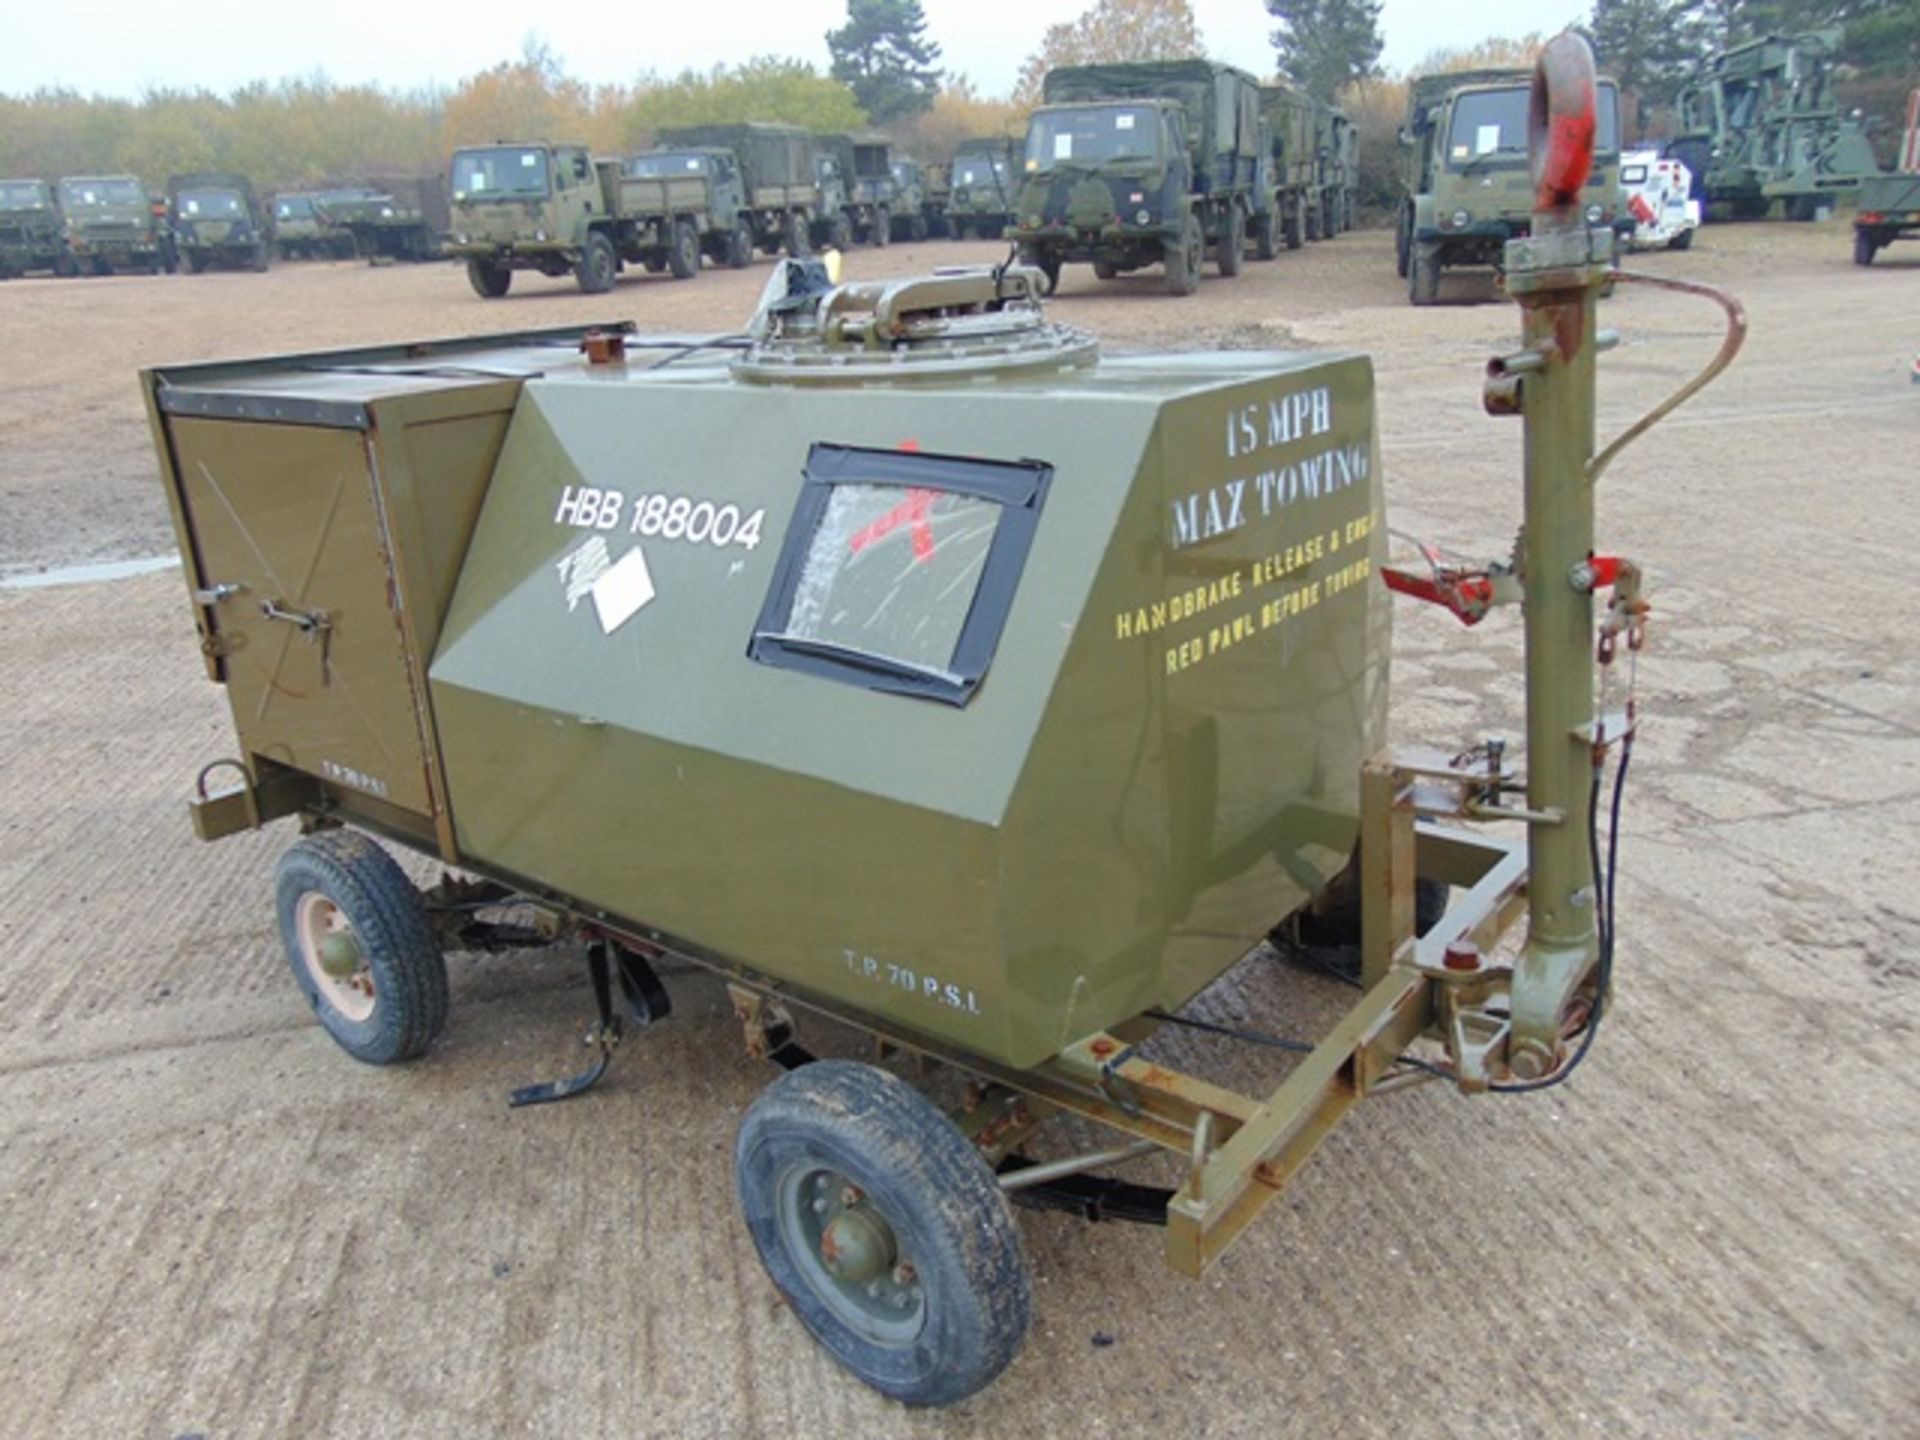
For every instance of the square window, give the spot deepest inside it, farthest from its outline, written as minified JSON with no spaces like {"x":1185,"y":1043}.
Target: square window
{"x":899,"y":569}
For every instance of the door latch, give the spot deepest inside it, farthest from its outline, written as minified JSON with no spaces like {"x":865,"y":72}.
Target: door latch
{"x":316,"y":625}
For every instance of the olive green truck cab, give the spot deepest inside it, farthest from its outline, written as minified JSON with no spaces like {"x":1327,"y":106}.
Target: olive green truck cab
{"x":217,"y":222}
{"x":113,"y":224}
{"x":1467,"y":187}
{"x":534,"y":206}
{"x":984,"y":178}
{"x":779,"y":201}
{"x":33,"y":235}
{"x":916,"y":211}
{"x":1132,"y":165}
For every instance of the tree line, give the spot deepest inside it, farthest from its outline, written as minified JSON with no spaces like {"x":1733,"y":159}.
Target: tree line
{"x":884,"y":70}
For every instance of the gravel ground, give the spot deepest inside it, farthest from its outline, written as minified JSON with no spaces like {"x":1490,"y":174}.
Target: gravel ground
{"x":213,"y":1223}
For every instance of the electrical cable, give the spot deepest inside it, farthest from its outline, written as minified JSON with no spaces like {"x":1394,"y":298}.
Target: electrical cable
{"x":1275,"y":1042}
{"x":1603,"y":918}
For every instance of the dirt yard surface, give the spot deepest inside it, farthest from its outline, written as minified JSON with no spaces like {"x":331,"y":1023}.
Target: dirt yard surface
{"x":213,"y":1223}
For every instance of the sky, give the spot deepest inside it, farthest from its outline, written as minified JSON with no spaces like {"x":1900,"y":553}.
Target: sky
{"x":123,"y":49}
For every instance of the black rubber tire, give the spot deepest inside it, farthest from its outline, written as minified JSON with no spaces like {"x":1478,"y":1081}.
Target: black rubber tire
{"x":959,"y":229}
{"x":66,"y":267}
{"x":1266,"y":235}
{"x":1403,"y":243}
{"x":1104,"y":270}
{"x":840,"y":234}
{"x":1337,"y":928}
{"x":683,"y":252}
{"x":1682,"y":241}
{"x":1802,"y":208}
{"x":934,"y":1190}
{"x":489,"y":279}
{"x":1294,"y":225}
{"x":880,"y":233}
{"x":259,"y":263}
{"x":1863,"y":246}
{"x":597,"y":265}
{"x":918,"y":229}
{"x":1231,"y":248}
{"x":1048,"y":264}
{"x":796,"y":242}
{"x":104,"y":266}
{"x":740,"y":245}
{"x":1423,"y":274}
{"x":390,"y":923}
{"x":1182,"y":259}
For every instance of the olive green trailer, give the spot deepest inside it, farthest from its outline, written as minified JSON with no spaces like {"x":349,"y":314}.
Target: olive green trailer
{"x":907,"y":662}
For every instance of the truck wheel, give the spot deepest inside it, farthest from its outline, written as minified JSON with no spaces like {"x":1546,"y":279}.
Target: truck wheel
{"x":918,"y":229}
{"x":360,"y":946}
{"x":1682,"y":241}
{"x":740,"y":246}
{"x":959,"y":229}
{"x":490,"y":280}
{"x":1047,"y":263}
{"x":881,"y":232}
{"x":1403,"y":243}
{"x":884,"y":1229}
{"x":1863,"y":246}
{"x":66,"y":267}
{"x":1266,"y":235}
{"x":1296,"y":223}
{"x":840,"y":233}
{"x":1182,"y":258}
{"x":1232,"y":244}
{"x":1423,"y":274}
{"x":1104,"y":270}
{"x":683,"y":258}
{"x":259,"y":259}
{"x":797,"y":235}
{"x":594,"y":271}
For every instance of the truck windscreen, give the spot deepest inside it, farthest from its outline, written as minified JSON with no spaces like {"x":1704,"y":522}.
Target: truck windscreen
{"x":1494,"y":122}
{"x":1092,"y":136}
{"x":502,"y":174}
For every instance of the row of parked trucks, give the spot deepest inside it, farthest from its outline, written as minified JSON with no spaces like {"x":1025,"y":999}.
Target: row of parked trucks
{"x":100,"y":224}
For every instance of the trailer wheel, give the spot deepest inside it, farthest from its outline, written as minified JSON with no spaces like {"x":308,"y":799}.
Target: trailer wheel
{"x":594,"y":273}
{"x":1232,"y":245}
{"x":490,"y":280}
{"x":1183,"y":257}
{"x":1863,"y":247}
{"x":1266,"y":235}
{"x":1682,"y":241}
{"x":360,"y":946}
{"x":884,"y":1229}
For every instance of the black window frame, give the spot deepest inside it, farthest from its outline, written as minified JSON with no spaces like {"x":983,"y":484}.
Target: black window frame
{"x":1018,"y":487}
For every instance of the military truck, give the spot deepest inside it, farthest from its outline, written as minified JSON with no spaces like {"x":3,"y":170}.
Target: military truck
{"x":777,"y":174}
{"x":112,"y":223}
{"x":1341,"y":172}
{"x":1759,"y":124}
{"x":913,"y":212}
{"x":301,"y":228}
{"x":535,"y":206}
{"x":33,"y":234}
{"x":1888,"y":206}
{"x":396,"y":218}
{"x":936,"y":179}
{"x":1131,"y":165}
{"x":1293,"y":149}
{"x":217,"y":223}
{"x":984,"y":180}
{"x":1466,"y":189}
{"x":855,"y":178}
{"x":684,"y":202}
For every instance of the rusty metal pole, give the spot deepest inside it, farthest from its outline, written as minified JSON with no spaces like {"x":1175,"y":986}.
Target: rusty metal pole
{"x":1555,"y":274}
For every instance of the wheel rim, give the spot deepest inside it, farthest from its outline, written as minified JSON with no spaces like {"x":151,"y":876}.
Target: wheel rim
{"x":333,"y":956}
{"x":849,"y":1256}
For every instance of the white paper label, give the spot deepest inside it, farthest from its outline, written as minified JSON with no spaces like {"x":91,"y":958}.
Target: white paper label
{"x":1063,"y":147}
{"x":623,"y":591}
{"x":1123,"y":122}
{"x":1486,"y":139}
